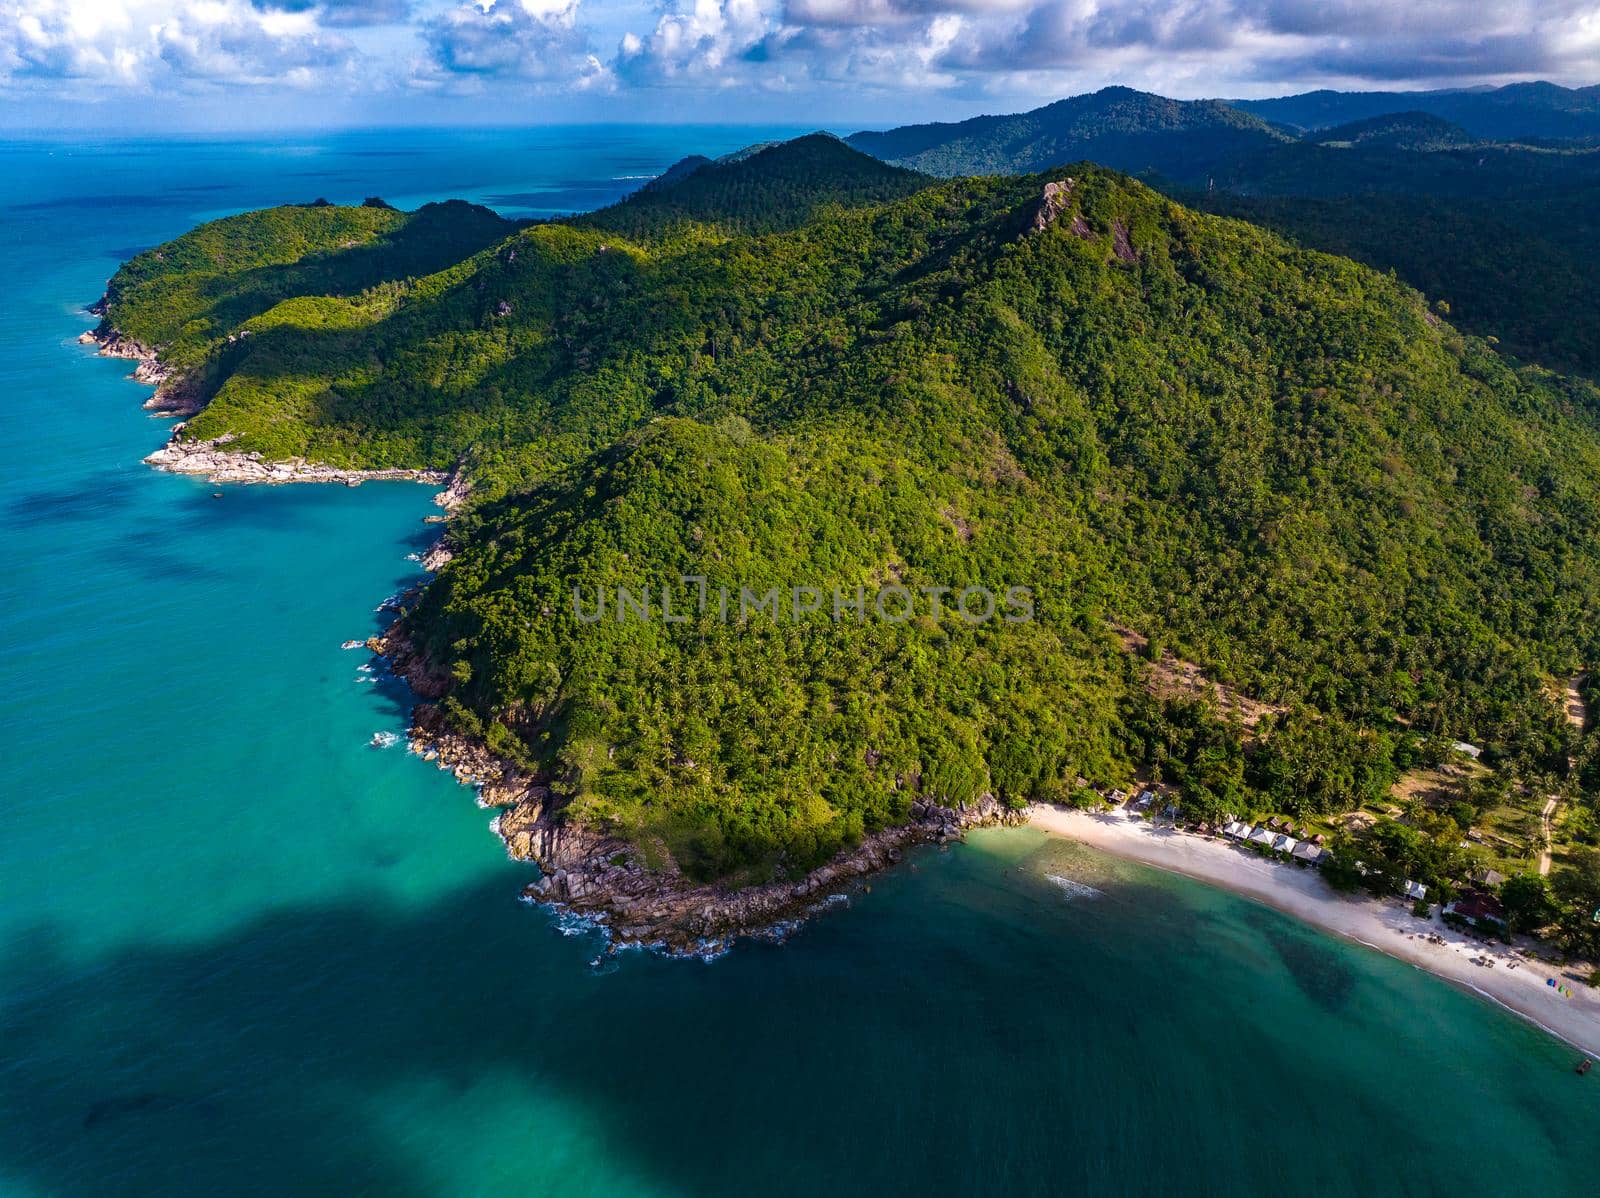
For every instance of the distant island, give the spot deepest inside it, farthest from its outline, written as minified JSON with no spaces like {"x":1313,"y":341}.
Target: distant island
{"x":1288,"y":538}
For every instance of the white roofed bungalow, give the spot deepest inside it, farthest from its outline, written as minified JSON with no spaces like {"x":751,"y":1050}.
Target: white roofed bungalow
{"x":1284,"y":844}
{"x":1415,"y":890}
{"x":1306,"y":851}
{"x":1261,"y":836}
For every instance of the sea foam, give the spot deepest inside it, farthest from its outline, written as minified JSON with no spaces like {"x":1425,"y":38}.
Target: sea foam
{"x":1075,"y":889}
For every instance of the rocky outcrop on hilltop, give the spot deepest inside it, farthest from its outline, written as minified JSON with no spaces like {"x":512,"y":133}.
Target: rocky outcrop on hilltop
{"x":1053,"y":203}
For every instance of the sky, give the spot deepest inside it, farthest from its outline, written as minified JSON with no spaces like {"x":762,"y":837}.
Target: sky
{"x":219,"y":65}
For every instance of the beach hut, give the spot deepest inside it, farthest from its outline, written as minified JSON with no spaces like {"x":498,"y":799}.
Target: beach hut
{"x":1306,"y":851}
{"x":1260,"y":836}
{"x":1482,"y":911}
{"x":1415,"y":890}
{"x":1284,"y":844}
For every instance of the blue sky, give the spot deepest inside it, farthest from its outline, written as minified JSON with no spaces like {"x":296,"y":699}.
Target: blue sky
{"x":129,"y":65}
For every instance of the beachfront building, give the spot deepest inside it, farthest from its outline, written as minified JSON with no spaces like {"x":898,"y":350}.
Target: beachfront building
{"x":1306,"y":851}
{"x":1261,"y":836}
{"x":1416,"y":890}
{"x":1480,"y":910}
{"x":1284,"y":844}
{"x":1236,"y":829}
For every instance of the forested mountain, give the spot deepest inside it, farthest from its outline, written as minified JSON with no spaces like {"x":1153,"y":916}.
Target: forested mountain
{"x":1502,"y":233}
{"x":1276,"y":463}
{"x":1118,"y":127}
{"x":186,"y":295}
{"x":1518,"y":111}
{"x":1395,"y":131}
{"x":759,"y":190}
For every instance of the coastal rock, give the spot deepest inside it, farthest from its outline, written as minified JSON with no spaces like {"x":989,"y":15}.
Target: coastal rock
{"x":436,"y":556}
{"x":175,"y":394}
{"x":455,"y":493}
{"x":220,"y":465}
{"x":599,"y":875}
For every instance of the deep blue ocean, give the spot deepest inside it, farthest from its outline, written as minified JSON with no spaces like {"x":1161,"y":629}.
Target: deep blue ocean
{"x":243,"y":951}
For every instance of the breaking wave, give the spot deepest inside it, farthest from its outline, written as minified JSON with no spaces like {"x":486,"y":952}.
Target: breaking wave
{"x":1075,"y":889}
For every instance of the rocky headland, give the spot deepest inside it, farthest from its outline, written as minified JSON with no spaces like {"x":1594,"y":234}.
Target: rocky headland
{"x":221,"y":465}
{"x":178,"y":395}
{"x":602,"y":876}
{"x":175,"y":394}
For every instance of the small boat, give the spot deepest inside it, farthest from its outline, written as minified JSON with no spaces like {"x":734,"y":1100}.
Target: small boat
{"x":1584,"y":1066}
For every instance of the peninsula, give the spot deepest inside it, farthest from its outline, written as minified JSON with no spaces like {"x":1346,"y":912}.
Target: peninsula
{"x":1286,"y":534}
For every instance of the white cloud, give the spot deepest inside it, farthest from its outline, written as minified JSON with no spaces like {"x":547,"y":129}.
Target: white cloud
{"x":530,"y":40}
{"x":1022,"y":45}
{"x":146,"y":44}
{"x":698,"y":41}
{"x":1018,"y":49}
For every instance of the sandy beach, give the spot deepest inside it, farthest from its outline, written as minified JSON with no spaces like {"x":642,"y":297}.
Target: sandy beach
{"x":1514,"y":981}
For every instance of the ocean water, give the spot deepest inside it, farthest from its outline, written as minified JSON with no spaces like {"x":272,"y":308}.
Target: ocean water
{"x":245,"y":951}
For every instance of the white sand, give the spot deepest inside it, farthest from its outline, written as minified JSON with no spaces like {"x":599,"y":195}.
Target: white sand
{"x":1388,"y":927}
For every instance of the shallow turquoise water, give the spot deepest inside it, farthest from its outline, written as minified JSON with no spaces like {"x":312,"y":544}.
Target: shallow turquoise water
{"x":242,"y":951}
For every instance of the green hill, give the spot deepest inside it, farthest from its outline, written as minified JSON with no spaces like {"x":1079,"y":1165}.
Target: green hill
{"x":1276,"y":463}
{"x":1395,"y":131}
{"x":186,"y":295}
{"x":759,"y":190}
{"x":1500,"y":232}
{"x":1515,"y":112}
{"x":1130,"y":130}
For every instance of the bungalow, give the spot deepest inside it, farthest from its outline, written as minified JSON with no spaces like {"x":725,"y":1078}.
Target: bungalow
{"x":1416,"y":890}
{"x":1306,"y":851}
{"x":1479,"y":909}
{"x":1234,"y":830}
{"x":1284,"y":844}
{"x":1488,"y":877}
{"x":1260,"y":836}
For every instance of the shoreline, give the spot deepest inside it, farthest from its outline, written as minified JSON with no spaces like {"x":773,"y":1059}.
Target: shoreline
{"x":220,"y":465}
{"x":1388,"y":927}
{"x":175,"y":397}
{"x":602,"y":877}
{"x":598,"y":876}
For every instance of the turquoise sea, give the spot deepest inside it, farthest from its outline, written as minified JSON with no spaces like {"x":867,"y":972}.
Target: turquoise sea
{"x":242,"y":951}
